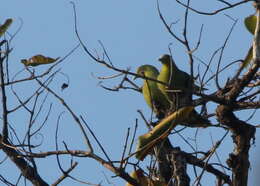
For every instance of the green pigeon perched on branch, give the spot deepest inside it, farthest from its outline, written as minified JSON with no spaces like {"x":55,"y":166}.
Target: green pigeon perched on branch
{"x":172,"y":75}
{"x":153,"y":96}
{"x":179,"y":91}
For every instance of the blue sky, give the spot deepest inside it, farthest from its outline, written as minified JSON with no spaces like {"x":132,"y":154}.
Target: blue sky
{"x":133,"y":35}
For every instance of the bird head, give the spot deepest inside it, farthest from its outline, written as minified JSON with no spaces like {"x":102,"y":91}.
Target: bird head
{"x":168,"y":61}
{"x":165,"y":58}
{"x":146,"y":70}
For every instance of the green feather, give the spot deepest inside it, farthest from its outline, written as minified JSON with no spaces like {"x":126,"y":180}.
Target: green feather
{"x":161,"y":131}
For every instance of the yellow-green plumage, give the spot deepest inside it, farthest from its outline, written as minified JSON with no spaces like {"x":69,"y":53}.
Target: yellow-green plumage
{"x":160,"y":131}
{"x":179,"y":81}
{"x":172,"y":75}
{"x":153,"y":96}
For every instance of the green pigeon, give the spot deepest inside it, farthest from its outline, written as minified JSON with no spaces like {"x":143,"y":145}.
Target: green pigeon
{"x":179,"y":90}
{"x":171,"y":74}
{"x":153,"y":96}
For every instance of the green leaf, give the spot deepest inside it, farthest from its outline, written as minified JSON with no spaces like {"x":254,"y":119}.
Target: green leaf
{"x":38,"y":60}
{"x":250,"y":23}
{"x":5,"y":26}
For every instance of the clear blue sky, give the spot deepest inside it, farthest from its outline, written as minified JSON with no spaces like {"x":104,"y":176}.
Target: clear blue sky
{"x":133,"y":35}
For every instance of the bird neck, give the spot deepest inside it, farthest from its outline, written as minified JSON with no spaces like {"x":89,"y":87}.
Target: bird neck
{"x":169,"y":68}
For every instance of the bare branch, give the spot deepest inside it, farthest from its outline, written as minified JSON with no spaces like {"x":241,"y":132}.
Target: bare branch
{"x":65,"y":174}
{"x":216,"y":11}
